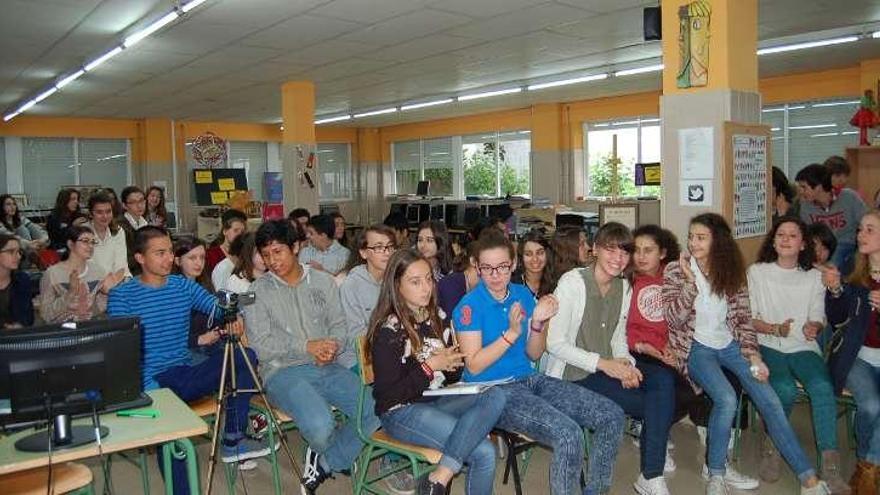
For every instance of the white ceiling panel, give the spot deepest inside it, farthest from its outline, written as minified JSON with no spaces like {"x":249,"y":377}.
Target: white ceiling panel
{"x":521,"y":21}
{"x":406,"y":27}
{"x":605,"y":6}
{"x":301,"y":30}
{"x":482,"y":8}
{"x":324,"y":53}
{"x":368,"y":11}
{"x":255,"y":14}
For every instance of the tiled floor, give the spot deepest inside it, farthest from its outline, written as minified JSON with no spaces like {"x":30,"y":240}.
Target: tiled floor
{"x":685,"y":480}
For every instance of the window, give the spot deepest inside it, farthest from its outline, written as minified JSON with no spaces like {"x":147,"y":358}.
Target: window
{"x":334,"y":166}
{"x":809,"y":132}
{"x":252,"y":156}
{"x":638,"y":141}
{"x":103,"y":162}
{"x":491,"y":164}
{"x":47,"y":165}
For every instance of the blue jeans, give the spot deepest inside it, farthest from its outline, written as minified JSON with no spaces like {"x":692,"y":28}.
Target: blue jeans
{"x":307,"y":392}
{"x":705,"y":368}
{"x":456,"y":425}
{"x":863,"y":382}
{"x":554,"y":413}
{"x":653,"y":402}
{"x":194,"y":382}
{"x":844,"y":257}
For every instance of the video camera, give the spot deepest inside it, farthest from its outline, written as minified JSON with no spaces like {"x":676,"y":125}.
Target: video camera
{"x":230,"y":302}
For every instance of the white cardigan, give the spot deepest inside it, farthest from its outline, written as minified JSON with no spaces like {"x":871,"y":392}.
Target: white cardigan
{"x":562,"y":333}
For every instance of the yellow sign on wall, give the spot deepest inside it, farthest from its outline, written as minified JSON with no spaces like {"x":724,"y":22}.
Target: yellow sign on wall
{"x":204,"y":177}
{"x":219,"y":198}
{"x":226,"y":184}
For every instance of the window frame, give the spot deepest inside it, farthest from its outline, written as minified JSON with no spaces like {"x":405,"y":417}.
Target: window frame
{"x":349,"y":189}
{"x":639,"y":121}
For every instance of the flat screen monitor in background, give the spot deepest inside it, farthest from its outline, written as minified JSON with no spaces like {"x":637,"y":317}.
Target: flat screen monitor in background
{"x":471,"y":216}
{"x":423,"y":188}
{"x":412,"y":214}
{"x":55,"y":372}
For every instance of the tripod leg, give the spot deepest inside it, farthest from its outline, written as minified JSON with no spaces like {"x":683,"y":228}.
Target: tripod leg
{"x":218,"y":413}
{"x":275,"y":424}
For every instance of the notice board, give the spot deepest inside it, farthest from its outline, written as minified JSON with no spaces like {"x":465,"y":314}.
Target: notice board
{"x":747,"y":175}
{"x":214,"y":186}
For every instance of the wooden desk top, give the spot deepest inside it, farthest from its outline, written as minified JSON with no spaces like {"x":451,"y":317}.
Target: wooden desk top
{"x":176,"y":421}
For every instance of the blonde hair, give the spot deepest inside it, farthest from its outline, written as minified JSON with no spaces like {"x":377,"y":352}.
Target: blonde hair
{"x":861,"y":274}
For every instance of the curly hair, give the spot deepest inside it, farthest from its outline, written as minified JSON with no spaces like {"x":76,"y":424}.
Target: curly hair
{"x":807,"y":256}
{"x":727,"y":271}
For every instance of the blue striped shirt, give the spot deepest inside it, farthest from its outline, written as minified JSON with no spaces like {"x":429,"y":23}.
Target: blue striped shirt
{"x":165,"y":320}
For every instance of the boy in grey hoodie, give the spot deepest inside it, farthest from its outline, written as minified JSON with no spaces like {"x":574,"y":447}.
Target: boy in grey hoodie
{"x":297,"y":328}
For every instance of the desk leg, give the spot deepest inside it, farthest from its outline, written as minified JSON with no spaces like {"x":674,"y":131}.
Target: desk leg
{"x":145,"y":472}
{"x":181,"y":449}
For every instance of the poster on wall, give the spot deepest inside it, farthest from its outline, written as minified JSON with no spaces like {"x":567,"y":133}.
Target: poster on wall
{"x":695,"y":193}
{"x":696,"y":153}
{"x":749,"y":185}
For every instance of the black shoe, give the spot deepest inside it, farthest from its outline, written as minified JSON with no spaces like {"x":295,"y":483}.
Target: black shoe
{"x":424,"y":486}
{"x":313,"y":473}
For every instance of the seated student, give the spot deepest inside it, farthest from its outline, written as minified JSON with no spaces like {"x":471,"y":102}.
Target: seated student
{"x":156,"y":213}
{"x":339,"y":229}
{"x":784,"y":200}
{"x":117,"y":205}
{"x":706,"y":305}
{"x":76,"y":288}
{"x":323,"y":253}
{"x":360,"y":290}
{"x":134,"y":203}
{"x":787,"y":300}
{"x":297,"y":327}
{"x":16,"y":305}
{"x":31,"y":237}
{"x":163,"y":302}
{"x":232,"y":224}
{"x":824,"y":244}
{"x":299,"y":218}
{"x":464,"y":277}
{"x":533,"y":267}
{"x":840,"y":172}
{"x":571,"y":249}
{"x":249,"y":265}
{"x":65,"y":214}
{"x":413,"y":349}
{"x":501,"y":332}
{"x":587,"y":345}
{"x":111,"y":252}
{"x":432,"y":242}
{"x":397,"y":221}
{"x":189,"y":261}
{"x":855,"y":348}
{"x":840,"y":212}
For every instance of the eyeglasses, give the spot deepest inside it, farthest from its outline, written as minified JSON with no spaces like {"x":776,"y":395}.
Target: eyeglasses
{"x":12,"y":252}
{"x":93,"y":242}
{"x":502,"y":269}
{"x":382,"y":248}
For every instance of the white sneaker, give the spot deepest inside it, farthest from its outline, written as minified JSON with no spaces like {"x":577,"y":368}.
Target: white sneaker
{"x":653,"y":486}
{"x":702,"y":432}
{"x":821,"y":488}
{"x":716,"y":486}
{"x":734,"y":478}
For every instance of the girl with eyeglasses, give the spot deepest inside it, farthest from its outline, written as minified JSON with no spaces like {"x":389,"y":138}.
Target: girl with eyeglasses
{"x":501,"y":330}
{"x":16,"y":305}
{"x":76,"y":289}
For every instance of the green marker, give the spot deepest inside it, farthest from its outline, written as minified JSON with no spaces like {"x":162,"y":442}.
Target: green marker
{"x":139,"y":413}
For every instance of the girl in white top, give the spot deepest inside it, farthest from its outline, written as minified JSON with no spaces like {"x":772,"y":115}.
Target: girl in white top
{"x":248,"y":267}
{"x":788,"y":311}
{"x":111,"y":252}
{"x":76,"y":288}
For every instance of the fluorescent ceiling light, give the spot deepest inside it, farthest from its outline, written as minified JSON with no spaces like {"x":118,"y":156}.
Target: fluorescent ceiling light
{"x":413,"y":106}
{"x":69,"y":79}
{"x":775,"y":129}
{"x":626,"y":122}
{"x":848,"y":133}
{"x":152,"y":28}
{"x":835,"y":104}
{"x":639,"y":70}
{"x":45,"y":94}
{"x":191,"y":5}
{"x":825,"y":134}
{"x":875,"y":34}
{"x":27,"y":106}
{"x":103,"y":58}
{"x":10,"y":116}
{"x":808,"y":44}
{"x":768,"y":110}
{"x":375,"y":112}
{"x":338,"y":118}
{"x":601,"y":125}
{"x":648,"y":121}
{"x":487,"y":94}
{"x":813,"y":126}
{"x":566,"y":82}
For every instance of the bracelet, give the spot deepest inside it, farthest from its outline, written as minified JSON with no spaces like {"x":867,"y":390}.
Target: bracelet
{"x":538,"y":329}
{"x":426,"y":368}
{"x":504,"y":337}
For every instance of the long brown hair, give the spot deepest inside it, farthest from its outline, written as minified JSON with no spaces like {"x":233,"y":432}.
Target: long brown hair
{"x":360,"y":242}
{"x":566,"y":253}
{"x":441,"y":239}
{"x":861,"y":274}
{"x":61,"y":210}
{"x":184,"y":245}
{"x":391,"y":303}
{"x":727,"y":272}
{"x":243,"y":248}
{"x":545,"y":285}
{"x":161,"y":212}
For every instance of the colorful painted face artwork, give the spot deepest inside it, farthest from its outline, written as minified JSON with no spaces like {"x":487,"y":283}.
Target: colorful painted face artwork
{"x":693,"y":44}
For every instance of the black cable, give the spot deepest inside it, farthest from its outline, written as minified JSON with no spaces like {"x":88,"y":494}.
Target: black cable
{"x":50,"y":423}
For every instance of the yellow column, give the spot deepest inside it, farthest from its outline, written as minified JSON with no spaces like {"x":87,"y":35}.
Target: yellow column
{"x":156,"y":157}
{"x":550,"y":177}
{"x":298,"y":145}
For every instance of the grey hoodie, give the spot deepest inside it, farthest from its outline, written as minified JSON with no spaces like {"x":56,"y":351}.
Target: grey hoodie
{"x":359,"y":294}
{"x":283,"y":319}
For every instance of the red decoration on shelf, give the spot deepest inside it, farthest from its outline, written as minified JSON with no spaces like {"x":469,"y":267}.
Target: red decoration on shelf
{"x":865,"y":117}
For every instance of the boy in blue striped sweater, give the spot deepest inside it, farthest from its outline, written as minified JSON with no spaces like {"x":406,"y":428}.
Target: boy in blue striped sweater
{"x":164,"y":302}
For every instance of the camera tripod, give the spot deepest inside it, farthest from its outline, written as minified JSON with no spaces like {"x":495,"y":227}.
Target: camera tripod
{"x":229,"y":347}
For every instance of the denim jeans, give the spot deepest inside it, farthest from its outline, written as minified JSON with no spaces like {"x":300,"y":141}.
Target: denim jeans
{"x":307,"y":392}
{"x":844,"y":257}
{"x":863,"y":382}
{"x":653,"y":402}
{"x":554,"y":413}
{"x":456,"y":425}
{"x":194,"y":382}
{"x":705,"y":368}
{"x":808,"y":368}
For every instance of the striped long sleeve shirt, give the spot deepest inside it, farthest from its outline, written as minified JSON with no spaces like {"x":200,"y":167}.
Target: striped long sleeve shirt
{"x":165,"y":320}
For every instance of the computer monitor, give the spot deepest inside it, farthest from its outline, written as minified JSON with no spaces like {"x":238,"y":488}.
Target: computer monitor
{"x":437,"y":212}
{"x":53,"y":372}
{"x":423,"y":188}
{"x":412,"y":214}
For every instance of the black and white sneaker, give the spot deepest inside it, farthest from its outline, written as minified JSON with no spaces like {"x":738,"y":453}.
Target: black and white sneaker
{"x":313,"y":473}
{"x":424,"y":486}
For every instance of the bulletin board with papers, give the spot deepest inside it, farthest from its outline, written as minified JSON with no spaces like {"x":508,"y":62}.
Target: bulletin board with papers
{"x":214,"y":186}
{"x":748,"y":177}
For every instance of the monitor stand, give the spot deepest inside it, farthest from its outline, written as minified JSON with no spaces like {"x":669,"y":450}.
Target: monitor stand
{"x":64,"y":436}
